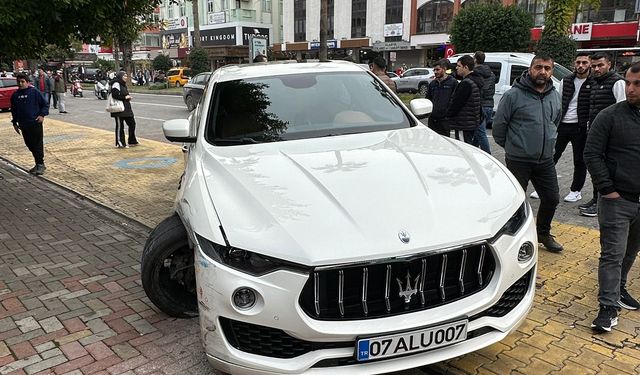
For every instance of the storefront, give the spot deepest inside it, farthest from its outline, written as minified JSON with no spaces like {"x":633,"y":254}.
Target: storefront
{"x":230,"y":44}
{"x":600,"y":35}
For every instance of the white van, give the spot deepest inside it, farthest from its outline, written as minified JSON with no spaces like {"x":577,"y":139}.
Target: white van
{"x":507,"y":66}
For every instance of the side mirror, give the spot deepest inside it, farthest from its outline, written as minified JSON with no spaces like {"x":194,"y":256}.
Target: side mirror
{"x":421,"y":108}
{"x":177,"y":131}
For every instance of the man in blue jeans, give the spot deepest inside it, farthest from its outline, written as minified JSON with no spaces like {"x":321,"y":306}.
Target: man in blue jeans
{"x":612,"y":154}
{"x":486,"y":101}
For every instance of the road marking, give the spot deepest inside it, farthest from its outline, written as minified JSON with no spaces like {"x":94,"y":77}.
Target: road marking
{"x":141,"y":117}
{"x":161,"y":105}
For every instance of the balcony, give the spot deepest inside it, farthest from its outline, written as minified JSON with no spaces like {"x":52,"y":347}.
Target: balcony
{"x":246,"y":15}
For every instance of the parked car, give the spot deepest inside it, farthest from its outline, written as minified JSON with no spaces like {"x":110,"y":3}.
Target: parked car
{"x":90,"y":75}
{"x":320,"y":227}
{"x":507,"y":66}
{"x":415,"y":80}
{"x":192,"y":91}
{"x":8,"y":85}
{"x":392,"y":75}
{"x":178,"y":77}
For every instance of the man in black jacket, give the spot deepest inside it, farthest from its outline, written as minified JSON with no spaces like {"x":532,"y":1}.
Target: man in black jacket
{"x":464,"y":112}
{"x":439,"y":92}
{"x":612,"y":154}
{"x":486,"y":101}
{"x":607,"y":89}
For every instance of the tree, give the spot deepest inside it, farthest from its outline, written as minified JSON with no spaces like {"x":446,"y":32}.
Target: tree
{"x":199,"y":61}
{"x":555,"y":40}
{"x":491,"y":28}
{"x":322,"y":52}
{"x":27,"y":26}
{"x":162,"y":62}
{"x":104,"y":65}
{"x":196,"y":24}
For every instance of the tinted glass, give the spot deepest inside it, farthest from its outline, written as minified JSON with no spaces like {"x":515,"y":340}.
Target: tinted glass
{"x":300,"y":106}
{"x":173,"y":72}
{"x":560,"y":71}
{"x":8,"y":82}
{"x":496,"y":68}
{"x":516,"y":71}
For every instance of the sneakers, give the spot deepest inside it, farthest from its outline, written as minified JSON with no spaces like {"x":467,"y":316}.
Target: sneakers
{"x":33,"y":170}
{"x":606,"y":319}
{"x":627,"y":301}
{"x":134,"y":144}
{"x":591,"y":211}
{"x":573,"y":196}
{"x":584,"y":206}
{"x":550,"y":243}
{"x":534,"y":195}
{"x":39,"y":169}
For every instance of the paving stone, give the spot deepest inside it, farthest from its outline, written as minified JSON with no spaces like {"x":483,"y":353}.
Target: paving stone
{"x":51,"y":353}
{"x":7,"y":324}
{"x":4,"y":349}
{"x":27,"y":324}
{"x":20,"y":364}
{"x":45,"y":346}
{"x":45,"y":364}
{"x":51,"y":324}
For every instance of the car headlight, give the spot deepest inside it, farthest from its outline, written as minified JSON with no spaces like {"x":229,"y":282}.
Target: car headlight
{"x":246,"y":261}
{"x":514,"y":224}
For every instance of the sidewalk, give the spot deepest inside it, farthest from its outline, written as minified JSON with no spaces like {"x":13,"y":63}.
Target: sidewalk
{"x":70,"y":291}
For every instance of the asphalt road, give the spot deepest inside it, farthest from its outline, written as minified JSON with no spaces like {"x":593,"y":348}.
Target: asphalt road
{"x":150,"y":111}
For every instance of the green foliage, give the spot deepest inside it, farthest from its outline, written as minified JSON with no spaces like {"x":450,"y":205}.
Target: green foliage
{"x":104,"y":65}
{"x":157,"y":86}
{"x":560,"y":14}
{"x":199,"y":61}
{"x":491,"y":28}
{"x":27,"y":26}
{"x":561,"y":47}
{"x":5,"y":67}
{"x":162,"y":62}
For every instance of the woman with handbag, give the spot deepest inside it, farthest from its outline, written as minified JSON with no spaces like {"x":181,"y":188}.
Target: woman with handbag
{"x":119,"y":91}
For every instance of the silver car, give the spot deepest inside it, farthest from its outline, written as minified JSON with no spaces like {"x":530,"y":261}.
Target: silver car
{"x":415,"y":80}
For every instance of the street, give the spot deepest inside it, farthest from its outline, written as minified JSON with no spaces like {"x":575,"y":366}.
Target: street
{"x":150,"y":111}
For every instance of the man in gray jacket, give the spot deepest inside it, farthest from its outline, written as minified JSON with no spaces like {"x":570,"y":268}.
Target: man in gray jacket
{"x":526,"y":125}
{"x":612,"y":154}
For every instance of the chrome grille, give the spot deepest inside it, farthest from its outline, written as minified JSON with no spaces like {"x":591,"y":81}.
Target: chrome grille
{"x":397,"y":286}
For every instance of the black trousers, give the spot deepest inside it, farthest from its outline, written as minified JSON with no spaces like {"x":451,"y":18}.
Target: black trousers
{"x":33,"y":138}
{"x":131,"y":124}
{"x":54,"y":95}
{"x":544,"y":179}
{"x":578,"y":137}
{"x":467,"y":135}
{"x":439,"y":126}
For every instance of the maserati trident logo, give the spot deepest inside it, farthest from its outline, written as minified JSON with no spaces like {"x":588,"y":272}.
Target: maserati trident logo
{"x":408,"y":291}
{"x":404,"y":236}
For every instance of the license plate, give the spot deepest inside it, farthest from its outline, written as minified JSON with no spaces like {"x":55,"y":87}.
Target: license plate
{"x":411,"y":342}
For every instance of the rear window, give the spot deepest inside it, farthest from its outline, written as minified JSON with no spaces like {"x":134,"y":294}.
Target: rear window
{"x":297,"y":106}
{"x":173,"y":72}
{"x":8,"y":82}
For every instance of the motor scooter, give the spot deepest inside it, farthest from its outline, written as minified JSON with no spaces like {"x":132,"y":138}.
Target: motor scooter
{"x":76,"y":88}
{"x":101,"y":89}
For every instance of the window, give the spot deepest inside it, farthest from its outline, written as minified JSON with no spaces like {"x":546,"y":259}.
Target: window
{"x":610,"y":11}
{"x":266,"y":6}
{"x":358,"y":18}
{"x":224,"y":5}
{"x":434,"y":17}
{"x":209,"y":6}
{"x":516,"y":71}
{"x":496,"y":68}
{"x":536,"y":8}
{"x":330,"y":20}
{"x":299,"y":20}
{"x":182,"y":8}
{"x":170,"y":11}
{"x":393,"y":15}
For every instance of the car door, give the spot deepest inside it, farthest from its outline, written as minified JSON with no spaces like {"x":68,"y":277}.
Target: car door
{"x":402,"y":83}
{"x":198,"y":83}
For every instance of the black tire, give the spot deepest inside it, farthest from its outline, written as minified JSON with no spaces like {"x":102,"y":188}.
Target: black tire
{"x":167,"y":272}
{"x":422,"y":89}
{"x":191,"y":105}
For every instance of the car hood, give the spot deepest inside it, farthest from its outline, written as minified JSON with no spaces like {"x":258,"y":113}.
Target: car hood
{"x":347,"y":198}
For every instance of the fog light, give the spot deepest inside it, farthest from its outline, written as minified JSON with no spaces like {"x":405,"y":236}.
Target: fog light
{"x":244,"y":298}
{"x":526,"y":252}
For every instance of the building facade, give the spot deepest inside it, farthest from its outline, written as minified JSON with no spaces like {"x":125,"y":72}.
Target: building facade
{"x":416,"y":32}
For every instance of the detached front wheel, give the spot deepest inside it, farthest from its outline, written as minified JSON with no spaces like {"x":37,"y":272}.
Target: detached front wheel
{"x":167,"y":272}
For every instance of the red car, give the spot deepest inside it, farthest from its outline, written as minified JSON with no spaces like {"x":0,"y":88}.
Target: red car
{"x":8,"y":85}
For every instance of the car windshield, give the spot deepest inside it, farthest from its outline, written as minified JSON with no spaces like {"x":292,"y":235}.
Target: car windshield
{"x":296,"y":106}
{"x":560,"y":71}
{"x":8,"y":82}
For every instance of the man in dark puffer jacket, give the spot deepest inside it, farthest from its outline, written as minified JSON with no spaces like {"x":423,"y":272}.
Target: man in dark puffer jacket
{"x":486,"y":101}
{"x":464,"y":110}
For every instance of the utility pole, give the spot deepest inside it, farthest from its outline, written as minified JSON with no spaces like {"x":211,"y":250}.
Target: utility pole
{"x":322,"y":52}
{"x":196,"y":24}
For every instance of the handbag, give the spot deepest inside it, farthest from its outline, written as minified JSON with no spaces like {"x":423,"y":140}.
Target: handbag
{"x":114,"y":105}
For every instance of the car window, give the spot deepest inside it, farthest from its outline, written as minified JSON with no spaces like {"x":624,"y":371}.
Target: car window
{"x":409,"y":73}
{"x":173,"y":72}
{"x":560,"y":71}
{"x":186,"y":72}
{"x":8,"y":82}
{"x":496,"y":68}
{"x":199,"y":79}
{"x":516,"y":71}
{"x":297,"y":106}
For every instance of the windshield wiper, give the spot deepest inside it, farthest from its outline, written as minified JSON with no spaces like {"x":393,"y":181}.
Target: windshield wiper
{"x":236,"y":141}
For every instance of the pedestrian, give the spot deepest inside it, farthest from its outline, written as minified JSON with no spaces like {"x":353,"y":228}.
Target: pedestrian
{"x":60,"y":88}
{"x":28,"y":109}
{"x":486,"y":101}
{"x":54,"y":95}
{"x":612,"y":154}
{"x":120,"y":91}
{"x":608,"y":88}
{"x":379,"y":68}
{"x":464,"y":112}
{"x":44,"y":85}
{"x":526,"y":126}
{"x":439,"y":92}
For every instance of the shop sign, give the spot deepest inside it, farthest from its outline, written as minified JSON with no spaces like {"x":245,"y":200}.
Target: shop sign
{"x":581,"y":31}
{"x":391,"y":46}
{"x":257,"y":46}
{"x":176,"y":23}
{"x":392,"y":29}
{"x":254,"y":31}
{"x":225,"y":36}
{"x":330,"y":44}
{"x":217,"y":17}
